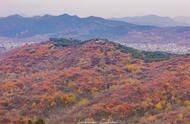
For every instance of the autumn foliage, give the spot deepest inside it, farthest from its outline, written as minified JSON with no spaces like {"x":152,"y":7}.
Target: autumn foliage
{"x":95,"y":80}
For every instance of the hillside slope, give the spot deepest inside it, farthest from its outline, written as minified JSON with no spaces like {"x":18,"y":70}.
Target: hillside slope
{"x":96,"y":80}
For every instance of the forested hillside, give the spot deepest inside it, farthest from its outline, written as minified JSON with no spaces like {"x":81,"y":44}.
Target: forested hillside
{"x":97,"y":80}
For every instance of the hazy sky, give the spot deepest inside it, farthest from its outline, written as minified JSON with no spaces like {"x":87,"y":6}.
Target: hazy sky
{"x":103,"y":8}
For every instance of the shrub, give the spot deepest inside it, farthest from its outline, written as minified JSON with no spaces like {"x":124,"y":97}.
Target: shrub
{"x":30,"y":122}
{"x":64,"y":42}
{"x":39,"y":121}
{"x":146,"y":55}
{"x":158,"y":106}
{"x":64,"y":98}
{"x":187,"y":103}
{"x":131,"y":68}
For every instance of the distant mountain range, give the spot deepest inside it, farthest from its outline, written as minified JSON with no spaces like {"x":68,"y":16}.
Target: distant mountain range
{"x":64,"y":25}
{"x":146,"y":37}
{"x":154,"y":20}
{"x":183,"y":19}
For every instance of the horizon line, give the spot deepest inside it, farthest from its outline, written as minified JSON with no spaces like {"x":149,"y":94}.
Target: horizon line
{"x":41,"y":15}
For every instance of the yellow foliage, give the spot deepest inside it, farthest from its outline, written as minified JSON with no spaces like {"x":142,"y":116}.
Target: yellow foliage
{"x":34,"y":105}
{"x":132,"y":80}
{"x":9,"y":84}
{"x":94,"y":90}
{"x":84,"y":61}
{"x":71,"y":85}
{"x":71,"y":98}
{"x":68,"y":98}
{"x":50,"y":99}
{"x":158,"y":106}
{"x":83,"y":101}
{"x":53,"y":103}
{"x":163,"y":102}
{"x":8,"y":114}
{"x":129,"y":80}
{"x":8,"y":94}
{"x":79,"y":91}
{"x":88,"y":121}
{"x":114,"y":86}
{"x":187,"y":103}
{"x":168,"y":106}
{"x":131,"y":67}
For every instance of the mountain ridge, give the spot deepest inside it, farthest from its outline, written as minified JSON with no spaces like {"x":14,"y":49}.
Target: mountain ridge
{"x":154,"y":20}
{"x":52,"y":22}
